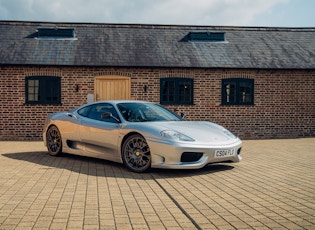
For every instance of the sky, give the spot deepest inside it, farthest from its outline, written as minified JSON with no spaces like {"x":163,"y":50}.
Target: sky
{"x":252,"y":13}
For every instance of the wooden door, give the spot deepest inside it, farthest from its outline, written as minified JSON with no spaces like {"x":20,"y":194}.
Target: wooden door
{"x":112,"y":88}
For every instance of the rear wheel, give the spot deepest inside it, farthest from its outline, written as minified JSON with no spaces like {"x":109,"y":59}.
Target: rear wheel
{"x":136,"y":154}
{"x":54,"y":143}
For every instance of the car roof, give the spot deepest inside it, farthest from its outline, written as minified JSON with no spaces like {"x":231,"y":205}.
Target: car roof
{"x":120,"y":101}
{"x":114,"y":102}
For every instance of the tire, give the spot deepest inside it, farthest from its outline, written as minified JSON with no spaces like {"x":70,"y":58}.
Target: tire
{"x":136,"y":154}
{"x":54,"y":142}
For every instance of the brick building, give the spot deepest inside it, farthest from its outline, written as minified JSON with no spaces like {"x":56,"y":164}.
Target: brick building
{"x":257,"y":82}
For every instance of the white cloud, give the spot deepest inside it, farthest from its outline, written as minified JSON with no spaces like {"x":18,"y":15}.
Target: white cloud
{"x":215,"y":12}
{"x":201,"y":12}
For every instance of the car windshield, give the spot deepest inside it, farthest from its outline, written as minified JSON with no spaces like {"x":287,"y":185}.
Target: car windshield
{"x":140,"y":112}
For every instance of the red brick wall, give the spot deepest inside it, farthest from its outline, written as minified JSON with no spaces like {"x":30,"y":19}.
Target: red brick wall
{"x":284,"y":99}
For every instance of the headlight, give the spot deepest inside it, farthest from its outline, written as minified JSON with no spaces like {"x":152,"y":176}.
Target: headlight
{"x":175,"y":135}
{"x":221,"y":128}
{"x":228,"y":133}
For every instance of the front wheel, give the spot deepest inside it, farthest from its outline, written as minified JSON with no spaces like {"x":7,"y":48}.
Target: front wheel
{"x":136,"y":154}
{"x":54,"y":143}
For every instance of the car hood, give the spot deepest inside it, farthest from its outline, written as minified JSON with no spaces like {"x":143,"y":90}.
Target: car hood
{"x":200,"y":131}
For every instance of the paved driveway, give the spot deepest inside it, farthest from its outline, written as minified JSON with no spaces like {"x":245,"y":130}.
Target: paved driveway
{"x":272,"y":188}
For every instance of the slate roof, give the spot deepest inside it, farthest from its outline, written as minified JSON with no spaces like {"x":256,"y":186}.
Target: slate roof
{"x":129,"y":45}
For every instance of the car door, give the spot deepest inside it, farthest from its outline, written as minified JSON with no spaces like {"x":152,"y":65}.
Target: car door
{"x":100,"y":135}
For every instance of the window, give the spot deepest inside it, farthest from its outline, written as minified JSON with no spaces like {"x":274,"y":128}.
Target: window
{"x":85,"y":111}
{"x":176,"y":91}
{"x":55,"y":33}
{"x":204,"y":37}
{"x":43,"y":90}
{"x":237,"y":91}
{"x":96,"y":111}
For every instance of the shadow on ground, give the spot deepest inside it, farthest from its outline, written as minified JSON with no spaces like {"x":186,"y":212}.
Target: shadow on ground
{"x":99,"y":167}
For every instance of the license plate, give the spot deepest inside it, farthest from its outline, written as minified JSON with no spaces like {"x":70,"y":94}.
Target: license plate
{"x":224,"y":153}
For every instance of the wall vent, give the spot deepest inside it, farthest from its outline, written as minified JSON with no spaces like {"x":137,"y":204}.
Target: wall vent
{"x":204,"y":37}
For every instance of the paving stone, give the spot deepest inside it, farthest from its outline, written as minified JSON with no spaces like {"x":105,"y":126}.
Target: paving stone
{"x":272,"y":188}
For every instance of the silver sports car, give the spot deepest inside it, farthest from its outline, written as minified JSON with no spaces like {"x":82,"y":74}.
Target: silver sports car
{"x":140,"y":135}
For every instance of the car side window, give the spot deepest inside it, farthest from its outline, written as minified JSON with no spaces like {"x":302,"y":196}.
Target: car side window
{"x":84,"y":111}
{"x":97,"y":110}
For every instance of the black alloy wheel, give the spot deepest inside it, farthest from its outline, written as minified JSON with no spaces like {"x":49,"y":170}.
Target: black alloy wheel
{"x":54,"y":142}
{"x":136,"y":154}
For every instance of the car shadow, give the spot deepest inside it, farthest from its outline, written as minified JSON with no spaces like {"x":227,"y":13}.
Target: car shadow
{"x":208,"y":169}
{"x":99,"y":167}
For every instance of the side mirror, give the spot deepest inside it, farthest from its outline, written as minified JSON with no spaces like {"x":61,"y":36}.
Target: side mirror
{"x":182,"y":115}
{"x":108,"y":115}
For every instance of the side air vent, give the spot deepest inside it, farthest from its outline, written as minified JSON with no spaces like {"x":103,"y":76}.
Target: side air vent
{"x":204,"y":37}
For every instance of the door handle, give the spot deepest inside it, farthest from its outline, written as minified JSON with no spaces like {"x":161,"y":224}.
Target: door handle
{"x":72,"y":115}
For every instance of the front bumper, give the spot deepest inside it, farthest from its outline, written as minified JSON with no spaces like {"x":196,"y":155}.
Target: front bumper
{"x":168,"y":155}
